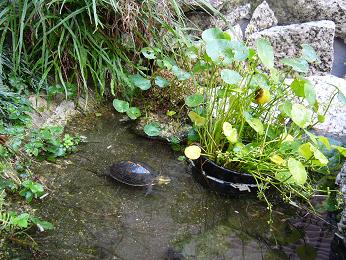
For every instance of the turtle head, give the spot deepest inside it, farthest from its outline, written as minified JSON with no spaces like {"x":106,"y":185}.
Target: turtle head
{"x":162,"y":180}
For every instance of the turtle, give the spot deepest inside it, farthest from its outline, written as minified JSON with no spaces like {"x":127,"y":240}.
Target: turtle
{"x":135,"y":173}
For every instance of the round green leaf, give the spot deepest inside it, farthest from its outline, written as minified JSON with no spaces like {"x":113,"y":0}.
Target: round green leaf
{"x":194,"y":100}
{"x":213,"y":34}
{"x":230,"y":132}
{"x":133,"y":113}
{"x":265,"y":52}
{"x":301,"y":115}
{"x":231,"y":77}
{"x":240,"y":51}
{"x":161,"y":82}
{"x":140,"y":82}
{"x":120,"y":105}
{"x":298,"y":171}
{"x":309,"y":54}
{"x":255,"y":123}
{"x":220,"y":51}
{"x":297,"y":64}
{"x":152,"y":129}
{"x":180,"y":74}
{"x":149,"y":53}
{"x":310,"y":93}
{"x":259,"y":80}
{"x":196,"y":118}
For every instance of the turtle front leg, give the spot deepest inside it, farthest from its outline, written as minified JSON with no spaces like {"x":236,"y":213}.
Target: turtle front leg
{"x":149,"y":189}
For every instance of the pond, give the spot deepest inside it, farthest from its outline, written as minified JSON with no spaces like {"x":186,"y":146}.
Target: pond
{"x":98,"y":218}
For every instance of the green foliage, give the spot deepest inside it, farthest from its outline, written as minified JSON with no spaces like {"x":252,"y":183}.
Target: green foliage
{"x":152,"y":129}
{"x":235,"y":114}
{"x":13,"y":222}
{"x":48,"y":143}
{"x":71,"y":42}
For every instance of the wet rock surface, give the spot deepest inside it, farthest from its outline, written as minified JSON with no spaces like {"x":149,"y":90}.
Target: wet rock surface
{"x":287,"y":41}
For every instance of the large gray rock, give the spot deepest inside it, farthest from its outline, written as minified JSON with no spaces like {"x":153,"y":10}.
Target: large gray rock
{"x":203,"y":20}
{"x":208,"y":5}
{"x":56,"y":112}
{"x":262,"y":18}
{"x":295,"y":11}
{"x":287,"y":41}
{"x":326,"y":87}
{"x":231,"y":17}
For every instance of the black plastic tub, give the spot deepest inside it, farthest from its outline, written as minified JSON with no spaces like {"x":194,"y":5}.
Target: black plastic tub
{"x":222,"y":180}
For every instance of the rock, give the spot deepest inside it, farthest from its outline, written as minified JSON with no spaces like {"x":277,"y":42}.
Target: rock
{"x":199,"y":20}
{"x":236,"y":32}
{"x":287,"y":41}
{"x":55,"y":112}
{"x":262,"y":18}
{"x":208,"y":5}
{"x":296,"y":11}
{"x":231,"y":17}
{"x":336,"y":115}
{"x":341,"y":182}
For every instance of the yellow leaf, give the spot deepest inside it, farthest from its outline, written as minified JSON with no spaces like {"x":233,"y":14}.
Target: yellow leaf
{"x":193,"y":152}
{"x":278,"y":160}
{"x":230,"y":132}
{"x":287,"y":138}
{"x":262,"y":96}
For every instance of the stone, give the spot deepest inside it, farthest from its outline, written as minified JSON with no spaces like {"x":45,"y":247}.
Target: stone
{"x":297,"y":11}
{"x":236,"y":32}
{"x":56,"y":112}
{"x":262,"y":18}
{"x":208,"y":5}
{"x":336,"y":115}
{"x":341,"y":182}
{"x":232,"y":17}
{"x":287,"y":41}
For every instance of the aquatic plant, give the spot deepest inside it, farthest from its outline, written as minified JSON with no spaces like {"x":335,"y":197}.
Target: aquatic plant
{"x":250,"y":118}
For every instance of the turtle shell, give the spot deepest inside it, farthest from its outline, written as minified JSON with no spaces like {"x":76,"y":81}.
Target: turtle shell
{"x":132,"y":173}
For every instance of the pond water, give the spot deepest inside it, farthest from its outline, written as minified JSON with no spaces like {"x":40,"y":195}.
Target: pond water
{"x":98,"y":218}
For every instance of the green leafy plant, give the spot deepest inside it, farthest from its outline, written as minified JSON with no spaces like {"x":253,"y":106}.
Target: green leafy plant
{"x":249,"y":118}
{"x":71,"y":42}
{"x":48,"y":143}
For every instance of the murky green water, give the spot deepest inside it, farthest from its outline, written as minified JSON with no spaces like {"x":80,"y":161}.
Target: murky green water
{"x":98,"y":218}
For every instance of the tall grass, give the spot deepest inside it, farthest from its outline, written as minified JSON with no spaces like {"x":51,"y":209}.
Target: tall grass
{"x":84,"y":42}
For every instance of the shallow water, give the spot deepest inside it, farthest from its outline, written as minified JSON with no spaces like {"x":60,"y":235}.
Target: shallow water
{"x":99,"y":218}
